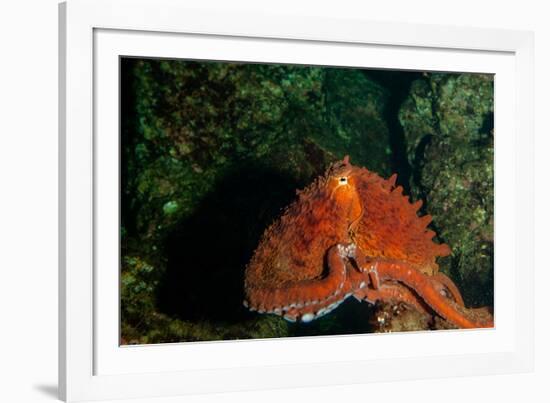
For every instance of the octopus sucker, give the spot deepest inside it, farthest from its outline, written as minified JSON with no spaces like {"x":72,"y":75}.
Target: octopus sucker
{"x":308,"y":317}
{"x":352,"y":233}
{"x":313,"y":311}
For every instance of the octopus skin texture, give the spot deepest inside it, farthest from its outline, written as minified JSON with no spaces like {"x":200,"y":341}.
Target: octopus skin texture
{"x":352,"y":233}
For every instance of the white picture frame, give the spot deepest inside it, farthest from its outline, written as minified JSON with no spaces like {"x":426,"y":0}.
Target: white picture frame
{"x":94,"y":33}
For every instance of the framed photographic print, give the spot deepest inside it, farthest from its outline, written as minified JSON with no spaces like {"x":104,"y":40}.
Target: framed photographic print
{"x":246,"y":199}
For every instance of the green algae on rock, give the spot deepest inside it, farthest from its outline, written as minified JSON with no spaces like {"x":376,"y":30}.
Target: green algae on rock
{"x":142,"y":323}
{"x":191,"y":122}
{"x":448,"y":125}
{"x":211,"y":152}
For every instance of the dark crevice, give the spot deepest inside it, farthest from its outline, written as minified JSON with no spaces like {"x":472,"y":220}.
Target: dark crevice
{"x":207,"y":252}
{"x":398,"y":84}
{"x":418,"y":163}
{"x":128,"y":141}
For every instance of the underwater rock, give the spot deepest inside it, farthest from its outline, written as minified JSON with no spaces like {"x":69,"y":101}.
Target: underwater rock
{"x":211,"y":153}
{"x":166,"y":329}
{"x":142,"y":323}
{"x":355,"y":120}
{"x":448,"y":126}
{"x":138,"y":280}
{"x":187,"y":124}
{"x":399,"y":317}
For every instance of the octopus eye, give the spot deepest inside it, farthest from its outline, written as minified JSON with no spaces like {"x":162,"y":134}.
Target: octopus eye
{"x":343,"y":180}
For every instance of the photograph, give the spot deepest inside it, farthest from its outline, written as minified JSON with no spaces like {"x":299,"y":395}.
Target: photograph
{"x":209,"y":201}
{"x":282,"y":200}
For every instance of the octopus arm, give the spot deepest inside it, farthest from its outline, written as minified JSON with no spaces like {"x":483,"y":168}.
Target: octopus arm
{"x":424,"y":286}
{"x":304,"y":293}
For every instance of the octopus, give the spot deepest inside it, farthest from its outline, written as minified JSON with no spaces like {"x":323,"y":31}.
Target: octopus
{"x":352,"y":233}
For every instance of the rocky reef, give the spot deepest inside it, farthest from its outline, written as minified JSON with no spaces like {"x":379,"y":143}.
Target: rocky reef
{"x":448,"y":124}
{"x":212,"y":153}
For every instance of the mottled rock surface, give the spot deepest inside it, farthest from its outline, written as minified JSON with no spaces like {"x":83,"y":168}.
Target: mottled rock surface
{"x":448,"y":125}
{"x":212,"y":152}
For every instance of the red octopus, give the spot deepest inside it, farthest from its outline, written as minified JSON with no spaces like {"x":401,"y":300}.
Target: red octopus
{"x":352,"y":233}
